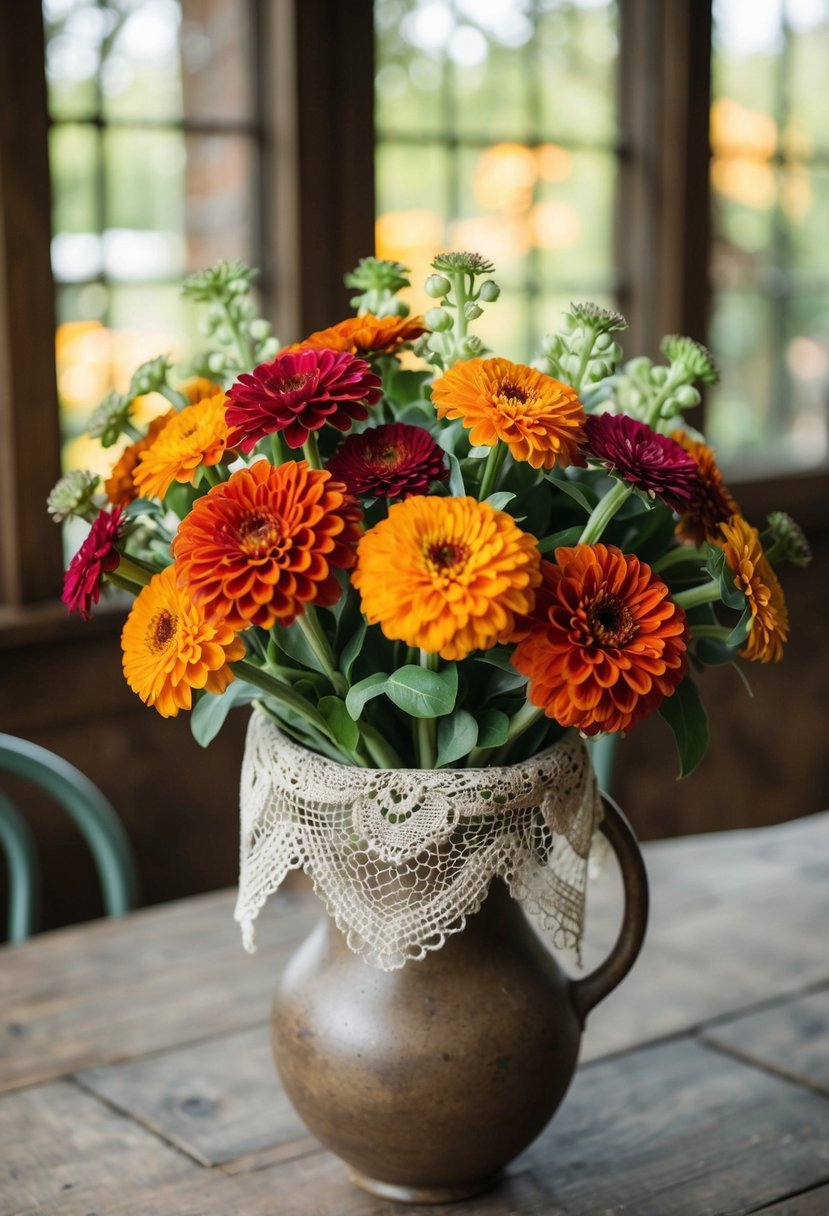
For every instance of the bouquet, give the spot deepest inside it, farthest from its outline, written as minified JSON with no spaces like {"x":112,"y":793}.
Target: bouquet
{"x":412,"y":552}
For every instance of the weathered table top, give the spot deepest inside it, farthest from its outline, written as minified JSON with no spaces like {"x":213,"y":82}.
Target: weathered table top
{"x":136,"y":1075}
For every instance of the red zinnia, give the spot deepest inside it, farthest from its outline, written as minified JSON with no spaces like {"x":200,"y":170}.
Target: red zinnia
{"x":96,"y":557}
{"x":645,"y":459}
{"x":299,"y":393}
{"x":391,"y":461}
{"x":606,"y":643}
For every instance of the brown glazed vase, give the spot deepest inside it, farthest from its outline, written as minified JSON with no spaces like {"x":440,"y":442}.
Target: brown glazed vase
{"x":426,"y":1081}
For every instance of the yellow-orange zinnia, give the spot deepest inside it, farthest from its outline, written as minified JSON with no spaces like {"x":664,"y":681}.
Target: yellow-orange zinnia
{"x":606,"y":642}
{"x":120,"y":486}
{"x":713,"y":504}
{"x":169,"y":648}
{"x":195,"y":436}
{"x":540,"y":419}
{"x":754,"y":576}
{"x":364,"y":335}
{"x":448,"y":575}
{"x":259,"y":547}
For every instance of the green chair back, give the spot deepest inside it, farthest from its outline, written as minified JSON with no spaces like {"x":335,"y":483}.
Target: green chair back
{"x":92,"y":813}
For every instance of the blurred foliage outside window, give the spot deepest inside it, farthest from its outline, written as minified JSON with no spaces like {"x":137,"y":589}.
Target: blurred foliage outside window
{"x":153,"y":162}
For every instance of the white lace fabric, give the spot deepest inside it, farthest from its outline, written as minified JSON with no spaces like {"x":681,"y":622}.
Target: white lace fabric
{"x":400,"y":857}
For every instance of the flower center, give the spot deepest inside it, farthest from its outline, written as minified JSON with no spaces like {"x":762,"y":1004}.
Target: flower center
{"x":162,"y":630}
{"x":514,"y":392}
{"x":386,"y":457}
{"x":610,"y":620}
{"x":259,"y":533}
{"x":442,"y":555}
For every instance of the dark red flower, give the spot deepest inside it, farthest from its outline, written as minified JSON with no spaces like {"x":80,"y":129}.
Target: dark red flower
{"x":642,"y":457}
{"x":391,"y":461}
{"x":297,"y":393}
{"x":96,"y":556}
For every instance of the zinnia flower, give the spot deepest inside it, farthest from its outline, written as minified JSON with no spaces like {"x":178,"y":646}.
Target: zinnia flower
{"x":712,"y":503}
{"x":120,"y":486}
{"x":391,"y":461}
{"x":299,"y":393}
{"x":754,"y":576}
{"x":540,"y":419}
{"x":198,"y":435}
{"x":364,"y":335}
{"x":606,"y":642}
{"x":97,"y":556}
{"x":169,"y":648}
{"x":449,"y":575}
{"x":260,"y":546}
{"x":642,"y":457}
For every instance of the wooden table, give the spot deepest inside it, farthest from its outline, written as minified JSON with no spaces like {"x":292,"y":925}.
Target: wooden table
{"x":136,"y":1075}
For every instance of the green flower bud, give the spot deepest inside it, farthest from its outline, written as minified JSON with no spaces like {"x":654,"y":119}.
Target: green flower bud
{"x":259,"y":330}
{"x":438,"y":319}
{"x":72,"y":495}
{"x":636,"y":367}
{"x":472,"y":311}
{"x":378,"y":275}
{"x":216,"y":361}
{"x":470,"y":263}
{"x":267,"y":350}
{"x":489,"y":291}
{"x":789,"y":538}
{"x":688,"y":396}
{"x":697,"y":360}
{"x":659,"y":375}
{"x":219,"y":282}
{"x":110,"y":419}
{"x":437,"y":286}
{"x":471,"y":347}
{"x":669,"y":408}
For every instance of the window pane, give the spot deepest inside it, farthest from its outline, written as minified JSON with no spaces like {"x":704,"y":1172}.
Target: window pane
{"x":495,"y":159}
{"x":75,"y":31}
{"x":220,"y":184}
{"x":770,"y":263}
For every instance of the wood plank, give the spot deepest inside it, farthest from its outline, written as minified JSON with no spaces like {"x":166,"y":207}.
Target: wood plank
{"x":218,"y":1101}
{"x":162,"y":977}
{"x":808,"y":1203}
{"x":672,"y":1130}
{"x":62,"y":1146}
{"x":791,"y":1039}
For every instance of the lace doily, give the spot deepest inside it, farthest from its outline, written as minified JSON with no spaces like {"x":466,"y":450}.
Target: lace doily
{"x":400,"y":857}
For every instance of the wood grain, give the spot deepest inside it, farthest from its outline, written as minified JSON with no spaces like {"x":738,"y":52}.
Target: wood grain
{"x":115,"y":990}
{"x":218,"y":1101}
{"x":61,"y":1146}
{"x":809,"y":1203}
{"x":791,"y":1039}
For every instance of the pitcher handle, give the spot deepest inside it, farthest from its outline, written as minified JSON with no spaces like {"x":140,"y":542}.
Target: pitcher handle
{"x":587,"y":992}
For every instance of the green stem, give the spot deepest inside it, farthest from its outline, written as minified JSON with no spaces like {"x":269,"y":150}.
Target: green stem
{"x":426,"y":728}
{"x":134,"y":570}
{"x":283,"y":693}
{"x":177,"y":400}
{"x":660,"y":399}
{"x":279,"y":449}
{"x":604,"y":511}
{"x":586,"y":352}
{"x":520,"y":722}
{"x":493,"y":463}
{"x":314,"y":633}
{"x":775,"y":552}
{"x":380,"y":750}
{"x":706,"y":593}
{"x":242,"y":345}
{"x":312,"y":452}
{"x":720,"y":633}
{"x":212,"y":474}
{"x":132,"y":433}
{"x":123,"y":584}
{"x":674,"y":557}
{"x":461,"y":322}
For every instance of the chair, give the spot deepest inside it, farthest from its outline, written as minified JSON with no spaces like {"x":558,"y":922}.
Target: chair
{"x":94,"y":817}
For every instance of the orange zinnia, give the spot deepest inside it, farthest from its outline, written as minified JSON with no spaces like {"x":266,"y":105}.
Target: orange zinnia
{"x":169,"y":648}
{"x":713,"y":503}
{"x":195,"y":436}
{"x":364,"y":335}
{"x":606,"y":643}
{"x":120,"y":486}
{"x":449,"y":575}
{"x":540,"y":419}
{"x":754,"y":576}
{"x":260,"y":546}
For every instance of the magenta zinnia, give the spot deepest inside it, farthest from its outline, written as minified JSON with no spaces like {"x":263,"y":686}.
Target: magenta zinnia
{"x":391,"y":461}
{"x":643,"y":458}
{"x":297,"y":393}
{"x":97,"y":556}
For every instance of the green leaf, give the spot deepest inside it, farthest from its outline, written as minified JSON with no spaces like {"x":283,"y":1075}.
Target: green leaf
{"x":457,"y":486}
{"x":344,"y":730}
{"x":294,"y":644}
{"x":493,"y":726}
{"x":717,"y":567}
{"x":686,"y":716}
{"x":417,"y":413}
{"x":210,"y":711}
{"x":363,"y":691}
{"x":566,"y":537}
{"x":457,"y":735}
{"x":352,"y":649}
{"x":741,"y":630}
{"x":421,"y":693}
{"x":406,"y":387}
{"x":649,"y":534}
{"x":714,"y":653}
{"x":497,"y":656}
{"x":500,"y":500}
{"x":585,"y":496}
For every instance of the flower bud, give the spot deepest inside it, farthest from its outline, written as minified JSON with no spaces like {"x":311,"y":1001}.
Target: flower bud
{"x":471,"y":346}
{"x":437,"y":286}
{"x":267,"y":350}
{"x":216,"y":361}
{"x":472,"y":311}
{"x":438,"y":319}
{"x":659,"y":375}
{"x":489,"y":291}
{"x":259,"y":330}
{"x":237,"y":287}
{"x":688,"y":396}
